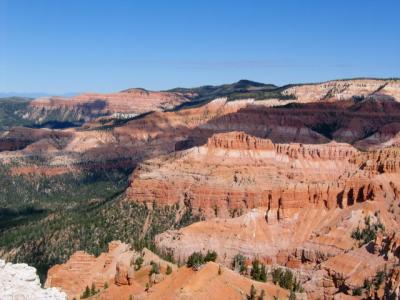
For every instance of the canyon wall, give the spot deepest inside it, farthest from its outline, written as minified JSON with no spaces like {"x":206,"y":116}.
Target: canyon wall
{"x":85,"y":107}
{"x":236,"y":172}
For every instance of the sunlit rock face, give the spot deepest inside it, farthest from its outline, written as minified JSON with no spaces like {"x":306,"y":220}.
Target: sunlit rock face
{"x":88,"y":106}
{"x":20,"y":281}
{"x":235,"y":172}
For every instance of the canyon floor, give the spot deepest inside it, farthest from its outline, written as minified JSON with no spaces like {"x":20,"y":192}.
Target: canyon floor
{"x":238,"y":191}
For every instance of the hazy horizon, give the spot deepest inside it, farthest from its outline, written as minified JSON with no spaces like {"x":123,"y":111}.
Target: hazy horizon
{"x":36,"y":94}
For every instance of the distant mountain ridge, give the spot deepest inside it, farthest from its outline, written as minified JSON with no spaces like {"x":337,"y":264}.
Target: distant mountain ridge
{"x":34,"y":94}
{"x":122,"y":106}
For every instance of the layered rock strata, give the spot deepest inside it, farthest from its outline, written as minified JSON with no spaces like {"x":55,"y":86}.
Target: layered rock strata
{"x":125,"y":104}
{"x":236,"y":172}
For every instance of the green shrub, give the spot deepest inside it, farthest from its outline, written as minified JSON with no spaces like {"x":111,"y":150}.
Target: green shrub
{"x":357,"y":291}
{"x":238,"y":263}
{"x":258,"y":271}
{"x":169,"y":270}
{"x":368,"y":233}
{"x":155,"y":268}
{"x":286,"y":279}
{"x":138,"y":263}
{"x":195,"y":260}
{"x":379,"y":279}
{"x":86,"y":293}
{"x":210,"y":256}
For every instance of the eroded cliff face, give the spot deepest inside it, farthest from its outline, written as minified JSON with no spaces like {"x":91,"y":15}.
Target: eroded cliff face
{"x":129,"y":103}
{"x":85,"y":107}
{"x":94,"y":146}
{"x":236,"y":172}
{"x":294,"y":205}
{"x":337,"y":90}
{"x":366,"y":124}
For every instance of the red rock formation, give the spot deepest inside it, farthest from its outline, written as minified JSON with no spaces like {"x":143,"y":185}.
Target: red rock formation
{"x":185,"y":283}
{"x":235,"y":172}
{"x":124,"y":274}
{"x":344,"y":89}
{"x":114,"y":268}
{"x":381,"y":161}
{"x":21,"y":137}
{"x":208,"y":284}
{"x":239,"y":141}
{"x":310,"y":198}
{"x":366,"y":124}
{"x":317,"y":243}
{"x":125,"y":145}
{"x":133,"y":101}
{"x":84,"y":270}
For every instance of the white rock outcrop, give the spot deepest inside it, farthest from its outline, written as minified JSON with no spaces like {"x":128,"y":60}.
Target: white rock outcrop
{"x":20,"y":282}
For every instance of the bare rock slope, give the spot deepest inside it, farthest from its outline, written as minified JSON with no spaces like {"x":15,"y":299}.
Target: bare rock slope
{"x":19,"y":281}
{"x":115,"y":276}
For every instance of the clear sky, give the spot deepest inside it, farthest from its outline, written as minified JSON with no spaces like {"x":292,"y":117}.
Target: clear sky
{"x":66,"y":46}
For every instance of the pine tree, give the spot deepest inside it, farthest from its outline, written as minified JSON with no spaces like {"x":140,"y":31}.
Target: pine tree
{"x":86,"y":293}
{"x":253,"y":293}
{"x":262,"y":295}
{"x":255,"y":270}
{"x":263,"y":273}
{"x":258,"y":271}
{"x":93,"y":290}
{"x":238,"y":263}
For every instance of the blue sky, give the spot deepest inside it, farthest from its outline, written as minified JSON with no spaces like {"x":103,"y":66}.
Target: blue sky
{"x":73,"y":46}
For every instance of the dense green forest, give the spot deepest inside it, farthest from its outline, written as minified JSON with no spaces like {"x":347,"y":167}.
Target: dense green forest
{"x":243,"y":89}
{"x":11,"y":112}
{"x":45,"y":219}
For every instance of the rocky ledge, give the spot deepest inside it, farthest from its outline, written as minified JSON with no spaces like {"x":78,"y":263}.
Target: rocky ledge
{"x":20,"y":281}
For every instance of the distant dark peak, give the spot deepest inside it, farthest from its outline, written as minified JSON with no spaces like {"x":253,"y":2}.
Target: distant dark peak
{"x":245,"y":82}
{"x":135,"y":90}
